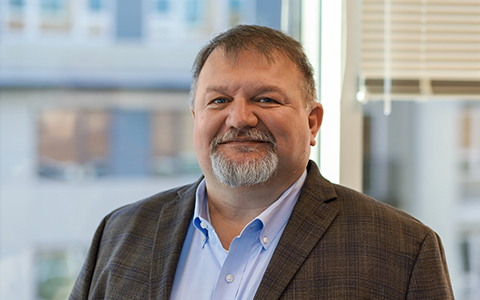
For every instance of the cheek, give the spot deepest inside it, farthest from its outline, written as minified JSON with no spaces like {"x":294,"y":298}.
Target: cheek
{"x":195,"y":139}
{"x":202,"y":147}
{"x":204,"y":130}
{"x":199,"y":138}
{"x":291,"y":136}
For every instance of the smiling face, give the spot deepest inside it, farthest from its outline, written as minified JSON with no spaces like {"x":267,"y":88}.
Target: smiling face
{"x":247,"y":110}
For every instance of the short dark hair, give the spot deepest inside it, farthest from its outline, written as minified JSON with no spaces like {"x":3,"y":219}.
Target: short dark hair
{"x":263,"y":40}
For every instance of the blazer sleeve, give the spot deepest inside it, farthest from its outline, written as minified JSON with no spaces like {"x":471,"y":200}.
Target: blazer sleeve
{"x":429,"y":278}
{"x":82,"y":286}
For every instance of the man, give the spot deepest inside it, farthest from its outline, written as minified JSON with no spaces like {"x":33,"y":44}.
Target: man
{"x":262,"y":223}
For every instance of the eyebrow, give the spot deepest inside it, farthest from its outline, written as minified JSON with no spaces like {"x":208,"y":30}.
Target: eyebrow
{"x":259,"y":90}
{"x":217,"y":89}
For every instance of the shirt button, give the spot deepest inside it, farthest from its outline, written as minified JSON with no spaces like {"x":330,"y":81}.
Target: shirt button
{"x":229,"y":278}
{"x":265,"y":240}
{"x":203,"y":225}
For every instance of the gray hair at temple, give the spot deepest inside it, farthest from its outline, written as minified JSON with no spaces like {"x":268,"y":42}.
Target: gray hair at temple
{"x":264,"y":40}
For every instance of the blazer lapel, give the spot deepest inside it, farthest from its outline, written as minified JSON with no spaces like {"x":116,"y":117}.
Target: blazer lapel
{"x":309,"y":220}
{"x":172,"y":228}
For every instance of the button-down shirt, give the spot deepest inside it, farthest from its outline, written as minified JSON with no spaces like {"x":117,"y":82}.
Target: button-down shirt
{"x":207,"y":271}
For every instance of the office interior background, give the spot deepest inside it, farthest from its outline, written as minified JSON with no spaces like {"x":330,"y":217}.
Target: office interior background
{"x":94,"y":115}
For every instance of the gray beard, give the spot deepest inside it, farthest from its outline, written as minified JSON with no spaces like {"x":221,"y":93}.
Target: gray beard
{"x":250,"y":171}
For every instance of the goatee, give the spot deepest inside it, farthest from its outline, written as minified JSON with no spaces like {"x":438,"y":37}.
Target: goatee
{"x":251,"y":170}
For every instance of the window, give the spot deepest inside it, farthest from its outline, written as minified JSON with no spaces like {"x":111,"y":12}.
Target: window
{"x":73,"y":144}
{"x":129,"y":19}
{"x":82,"y":144}
{"x":17,"y":3}
{"x":96,"y":5}
{"x":194,"y":11}
{"x":235,"y":12}
{"x":469,"y":154}
{"x":162,"y":6}
{"x":52,"y":6}
{"x":15,"y":20}
{"x":425,"y":159}
{"x":57,"y":270}
{"x":70,"y":154}
{"x":471,"y":264}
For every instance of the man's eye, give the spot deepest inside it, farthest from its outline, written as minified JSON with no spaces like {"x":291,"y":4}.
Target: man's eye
{"x":219,"y":101}
{"x":266,"y":100}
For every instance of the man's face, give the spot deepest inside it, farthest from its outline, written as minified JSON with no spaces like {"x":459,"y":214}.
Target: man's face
{"x":251,"y":114}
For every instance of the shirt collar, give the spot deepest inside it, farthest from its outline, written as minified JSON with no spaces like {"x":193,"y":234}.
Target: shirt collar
{"x":275,"y":217}
{"x":272,"y":220}
{"x":201,"y":216}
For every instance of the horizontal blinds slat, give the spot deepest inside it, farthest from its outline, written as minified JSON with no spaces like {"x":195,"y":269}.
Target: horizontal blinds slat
{"x":431,"y":2}
{"x":418,"y":37}
{"x":464,"y":18}
{"x":415,"y":56}
{"x":409,"y":74}
{"x":458,"y":48}
{"x":402,"y":65}
{"x":372,"y":27}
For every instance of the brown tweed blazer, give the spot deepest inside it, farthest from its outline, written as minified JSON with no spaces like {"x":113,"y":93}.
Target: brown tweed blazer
{"x":338,"y":244}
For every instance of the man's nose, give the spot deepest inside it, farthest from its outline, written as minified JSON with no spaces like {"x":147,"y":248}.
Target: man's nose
{"x":242,"y":114}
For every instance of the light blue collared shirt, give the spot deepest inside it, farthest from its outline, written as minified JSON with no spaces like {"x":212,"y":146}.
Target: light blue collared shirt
{"x":207,"y":271}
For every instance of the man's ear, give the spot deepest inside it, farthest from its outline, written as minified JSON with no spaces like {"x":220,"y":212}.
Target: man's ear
{"x":315,"y":121}
{"x":193,"y":114}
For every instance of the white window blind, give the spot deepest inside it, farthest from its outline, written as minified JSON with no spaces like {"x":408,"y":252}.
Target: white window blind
{"x":432,"y":48}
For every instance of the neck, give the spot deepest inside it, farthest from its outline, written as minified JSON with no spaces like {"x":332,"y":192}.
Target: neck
{"x":231,"y":209}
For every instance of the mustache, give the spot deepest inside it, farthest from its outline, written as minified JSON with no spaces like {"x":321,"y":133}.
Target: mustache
{"x":249,"y":133}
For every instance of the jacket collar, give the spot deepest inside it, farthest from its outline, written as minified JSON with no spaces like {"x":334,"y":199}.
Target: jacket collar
{"x":310,"y":218}
{"x":173,"y":222}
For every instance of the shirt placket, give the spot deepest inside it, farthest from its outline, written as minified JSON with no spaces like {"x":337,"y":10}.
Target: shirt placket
{"x":232,"y":272}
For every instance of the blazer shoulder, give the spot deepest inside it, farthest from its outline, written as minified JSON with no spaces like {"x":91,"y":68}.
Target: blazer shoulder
{"x":360,"y":210}
{"x":359,"y":206}
{"x":120,"y":256}
{"x":152,"y":205}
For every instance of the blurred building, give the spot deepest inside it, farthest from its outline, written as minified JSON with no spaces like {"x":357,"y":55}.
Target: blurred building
{"x":93,"y":115}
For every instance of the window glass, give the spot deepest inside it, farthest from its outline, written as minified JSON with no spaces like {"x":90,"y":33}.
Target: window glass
{"x":469,"y":152}
{"x":194,"y":11}
{"x":235,"y":11}
{"x":425,"y":159}
{"x":56,"y":272}
{"x":52,"y":6}
{"x":73,"y":144}
{"x":93,"y":116}
{"x":96,"y":5}
{"x":16,"y":3}
{"x":162,"y":6}
{"x":129,"y":20}
{"x":81,"y":144}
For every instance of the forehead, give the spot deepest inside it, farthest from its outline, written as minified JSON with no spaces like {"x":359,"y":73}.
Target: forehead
{"x":248,"y":69}
{"x":233,"y":56}
{"x":242,"y":59}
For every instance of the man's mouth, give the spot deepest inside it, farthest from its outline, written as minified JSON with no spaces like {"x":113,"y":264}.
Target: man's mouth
{"x":246,"y":136}
{"x":242,"y":140}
